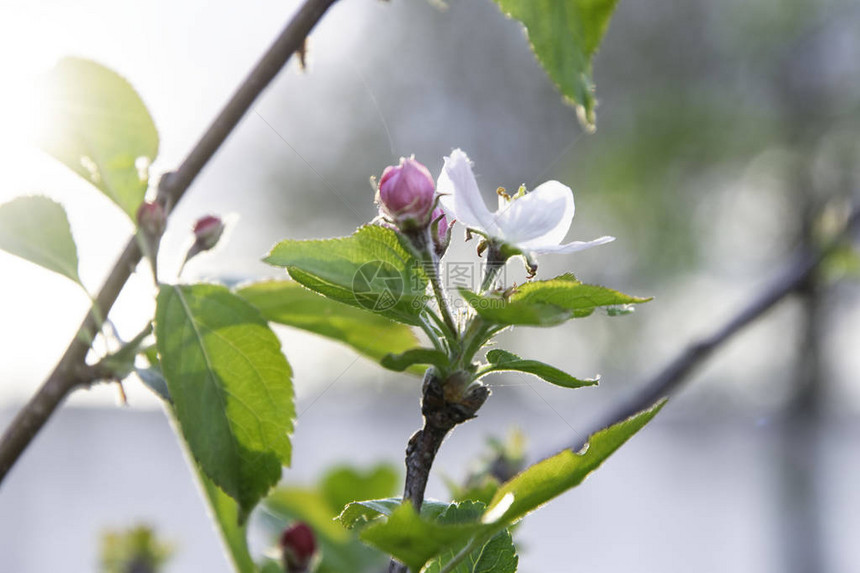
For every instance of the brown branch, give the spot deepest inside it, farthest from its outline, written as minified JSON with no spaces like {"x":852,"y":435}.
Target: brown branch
{"x":795,"y":276}
{"x":445,"y":404}
{"x":71,"y":372}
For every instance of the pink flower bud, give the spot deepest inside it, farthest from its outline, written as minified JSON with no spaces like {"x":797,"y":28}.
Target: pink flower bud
{"x":207,"y":231}
{"x":406,"y":194}
{"x":299,"y":545}
{"x":151,"y":218}
{"x":440,"y":229}
{"x":151,"y":222}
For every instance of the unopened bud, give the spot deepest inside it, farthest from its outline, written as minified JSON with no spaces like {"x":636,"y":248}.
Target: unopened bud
{"x":406,"y":194}
{"x":207,"y":231}
{"x":151,"y":222}
{"x":298,"y":545}
{"x":440,"y":231}
{"x":151,"y":218}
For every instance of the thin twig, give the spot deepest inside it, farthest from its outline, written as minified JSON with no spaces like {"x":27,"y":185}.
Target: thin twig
{"x":72,"y":372}
{"x":796,"y":274}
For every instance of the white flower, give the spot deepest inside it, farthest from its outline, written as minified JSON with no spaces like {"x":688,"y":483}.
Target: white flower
{"x":533,"y":223}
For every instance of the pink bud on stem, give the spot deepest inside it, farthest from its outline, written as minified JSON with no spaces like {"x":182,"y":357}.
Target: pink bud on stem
{"x":298,"y":544}
{"x":151,"y":222}
{"x":207,"y":232}
{"x":406,"y":195}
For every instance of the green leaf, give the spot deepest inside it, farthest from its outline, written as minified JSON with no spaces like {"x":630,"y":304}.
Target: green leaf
{"x":289,"y":303}
{"x":415,"y":541}
{"x":340,"y":548}
{"x":36,"y":229}
{"x":402,"y":361}
{"x":498,"y":555}
{"x":226,"y":515}
{"x":153,"y":379}
{"x":565,"y":35}
{"x":359,"y":513}
{"x":374,"y":270}
{"x":231,"y":387}
{"x":553,"y":476}
{"x":438,"y":534}
{"x":547,"y":303}
{"x":503,"y":361}
{"x":100,"y":129}
{"x":344,"y":484}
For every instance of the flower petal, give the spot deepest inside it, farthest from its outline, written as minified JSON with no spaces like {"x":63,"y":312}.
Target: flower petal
{"x":538,"y":219}
{"x":570,"y":247}
{"x":460,"y":196}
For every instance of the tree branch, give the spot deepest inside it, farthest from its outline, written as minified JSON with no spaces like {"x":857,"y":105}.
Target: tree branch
{"x":796,"y":274}
{"x":71,"y":371}
{"x":443,"y":408}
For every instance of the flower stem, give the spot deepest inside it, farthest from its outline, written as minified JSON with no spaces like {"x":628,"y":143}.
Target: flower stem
{"x":495,"y":263}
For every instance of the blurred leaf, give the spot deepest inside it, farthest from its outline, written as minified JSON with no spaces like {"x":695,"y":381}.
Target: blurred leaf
{"x":553,"y":476}
{"x":344,"y":484}
{"x":480,"y":488}
{"x":373,"y":270}
{"x":289,"y":303}
{"x":402,"y":361}
{"x":36,"y":229}
{"x":231,"y":387}
{"x":100,"y":129}
{"x":546,"y":303}
{"x":137,"y":549}
{"x":153,"y":379}
{"x":504,"y":361}
{"x":340,"y":549}
{"x":841,"y":263}
{"x":565,"y":35}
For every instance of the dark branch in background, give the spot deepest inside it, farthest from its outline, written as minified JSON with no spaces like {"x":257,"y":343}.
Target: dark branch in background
{"x":794,"y":277}
{"x":72,"y":371}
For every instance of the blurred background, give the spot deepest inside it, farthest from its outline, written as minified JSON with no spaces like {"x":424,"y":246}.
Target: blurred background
{"x":728,"y":136}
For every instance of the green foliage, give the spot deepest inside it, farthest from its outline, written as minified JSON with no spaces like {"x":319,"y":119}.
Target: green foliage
{"x":37,"y":229}
{"x":565,"y":35}
{"x":343,"y":485}
{"x":546,"y":303}
{"x":289,"y":303}
{"x":553,"y":476}
{"x":416,"y":540}
{"x":498,"y":555}
{"x":100,"y":129}
{"x":503,"y":361}
{"x":137,"y":549}
{"x":226,"y":514}
{"x":374,"y":269}
{"x":231,"y":387}
{"x":317,"y":506}
{"x":400,"y":362}
{"x":358,"y":513}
